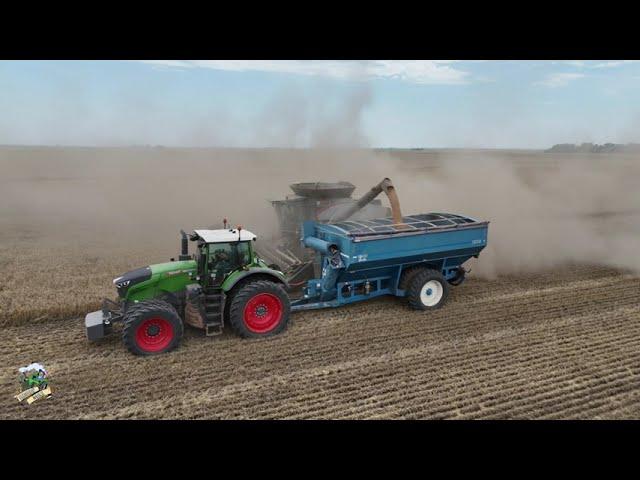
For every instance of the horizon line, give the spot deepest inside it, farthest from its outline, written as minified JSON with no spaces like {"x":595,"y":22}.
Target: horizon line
{"x":220,"y":147}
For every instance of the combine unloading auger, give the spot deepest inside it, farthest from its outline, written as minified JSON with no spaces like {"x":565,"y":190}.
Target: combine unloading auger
{"x":385,"y":186}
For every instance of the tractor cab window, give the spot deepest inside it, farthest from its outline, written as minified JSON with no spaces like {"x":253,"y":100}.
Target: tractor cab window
{"x":201,"y":256}
{"x":225,"y":257}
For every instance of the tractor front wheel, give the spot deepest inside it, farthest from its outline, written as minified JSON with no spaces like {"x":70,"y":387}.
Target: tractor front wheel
{"x":259,"y":309}
{"x":151,"y":327}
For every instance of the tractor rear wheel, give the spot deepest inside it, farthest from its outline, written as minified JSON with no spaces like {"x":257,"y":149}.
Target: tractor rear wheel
{"x":152,"y":327}
{"x":259,"y":309}
{"x":428,"y":290}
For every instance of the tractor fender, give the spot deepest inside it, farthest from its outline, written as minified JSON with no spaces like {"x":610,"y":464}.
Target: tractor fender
{"x":278,"y":277}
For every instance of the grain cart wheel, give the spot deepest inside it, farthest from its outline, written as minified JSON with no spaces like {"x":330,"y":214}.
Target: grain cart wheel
{"x":407,"y":276}
{"x":151,"y":327}
{"x":259,"y":309}
{"x":428,"y":290}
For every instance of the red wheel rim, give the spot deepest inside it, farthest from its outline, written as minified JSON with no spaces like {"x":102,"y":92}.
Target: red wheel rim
{"x":263,"y":313}
{"x":154,"y":334}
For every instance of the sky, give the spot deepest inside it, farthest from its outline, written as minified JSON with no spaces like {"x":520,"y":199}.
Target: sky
{"x":305,"y":103}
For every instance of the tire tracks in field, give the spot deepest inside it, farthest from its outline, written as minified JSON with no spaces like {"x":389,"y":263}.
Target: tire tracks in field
{"x":233,"y":362}
{"x":310,"y":376}
{"x":349,"y":334}
{"x":145,"y":359}
{"x":395,"y":391}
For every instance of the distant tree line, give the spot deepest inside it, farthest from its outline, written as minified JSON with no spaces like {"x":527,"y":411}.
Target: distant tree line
{"x":594,"y":148}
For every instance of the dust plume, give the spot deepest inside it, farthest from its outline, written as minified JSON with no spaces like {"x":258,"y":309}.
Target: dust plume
{"x":127,"y":194}
{"x":545,"y":211}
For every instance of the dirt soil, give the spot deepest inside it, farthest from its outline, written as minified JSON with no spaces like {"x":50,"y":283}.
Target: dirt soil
{"x":547,"y":326}
{"x":550,"y":345}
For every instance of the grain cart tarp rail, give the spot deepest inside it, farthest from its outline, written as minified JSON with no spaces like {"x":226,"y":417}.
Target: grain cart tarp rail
{"x":368,"y":258}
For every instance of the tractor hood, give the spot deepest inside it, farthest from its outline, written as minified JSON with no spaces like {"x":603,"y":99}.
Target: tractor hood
{"x":157,"y":272}
{"x":173,"y":267}
{"x":132,"y":277}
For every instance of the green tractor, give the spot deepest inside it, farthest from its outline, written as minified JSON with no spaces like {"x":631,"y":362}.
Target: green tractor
{"x":224,"y":283}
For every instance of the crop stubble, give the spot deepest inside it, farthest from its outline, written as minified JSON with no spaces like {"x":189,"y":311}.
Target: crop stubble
{"x":500,"y":349}
{"x":560,"y":343}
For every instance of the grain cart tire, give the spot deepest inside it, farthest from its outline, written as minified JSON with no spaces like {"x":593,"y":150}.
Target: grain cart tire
{"x":428,"y":290}
{"x":259,"y":309}
{"x":408,"y":274}
{"x":152,"y":327}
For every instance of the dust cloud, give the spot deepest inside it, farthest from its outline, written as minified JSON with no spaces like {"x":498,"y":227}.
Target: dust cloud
{"x":546,"y":210}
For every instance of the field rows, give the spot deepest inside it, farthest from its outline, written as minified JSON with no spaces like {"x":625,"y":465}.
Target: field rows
{"x":365,"y":389}
{"x":499,"y":349}
{"x":369,"y":330}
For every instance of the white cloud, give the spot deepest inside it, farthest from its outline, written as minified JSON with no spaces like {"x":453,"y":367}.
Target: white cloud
{"x":611,"y":64}
{"x":574,"y":63}
{"x":167,"y":63}
{"x":413,"y":71}
{"x":607,"y":64}
{"x":554,"y":80}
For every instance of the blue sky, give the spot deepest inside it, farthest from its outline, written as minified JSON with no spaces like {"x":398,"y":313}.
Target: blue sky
{"x":493,"y":104}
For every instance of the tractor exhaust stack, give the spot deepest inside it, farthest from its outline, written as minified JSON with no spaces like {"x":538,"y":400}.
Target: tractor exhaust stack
{"x":184,"y":254}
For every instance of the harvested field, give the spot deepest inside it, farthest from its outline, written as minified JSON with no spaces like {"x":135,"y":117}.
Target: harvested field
{"x":547,"y":326}
{"x":500,"y":349}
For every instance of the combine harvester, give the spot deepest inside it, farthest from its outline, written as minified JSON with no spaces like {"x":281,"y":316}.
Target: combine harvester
{"x":324,"y":203}
{"x":346,"y":257}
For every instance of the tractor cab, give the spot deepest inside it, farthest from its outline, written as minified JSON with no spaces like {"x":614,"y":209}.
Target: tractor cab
{"x":221,"y":252}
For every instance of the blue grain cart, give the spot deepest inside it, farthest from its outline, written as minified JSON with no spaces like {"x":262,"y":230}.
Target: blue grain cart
{"x":417,"y":258}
